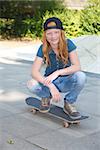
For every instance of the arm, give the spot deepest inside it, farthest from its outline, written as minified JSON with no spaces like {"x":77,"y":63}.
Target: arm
{"x":66,"y":71}
{"x":37,"y":76}
{"x":36,"y":69}
{"x":74,"y":67}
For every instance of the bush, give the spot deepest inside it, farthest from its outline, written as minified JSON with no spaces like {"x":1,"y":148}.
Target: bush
{"x":6,"y":27}
{"x":27,"y":16}
{"x":90,"y":18}
{"x":75,"y":22}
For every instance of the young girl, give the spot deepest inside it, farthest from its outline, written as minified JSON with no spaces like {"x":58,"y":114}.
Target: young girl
{"x":62,"y":74}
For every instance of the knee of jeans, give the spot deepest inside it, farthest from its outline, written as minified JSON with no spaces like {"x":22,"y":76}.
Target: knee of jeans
{"x":31,"y":84}
{"x":80,"y":77}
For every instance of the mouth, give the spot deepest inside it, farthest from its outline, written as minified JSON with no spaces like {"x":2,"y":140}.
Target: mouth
{"x":54,"y":40}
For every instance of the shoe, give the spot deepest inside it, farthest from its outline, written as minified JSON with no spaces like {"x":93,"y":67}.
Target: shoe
{"x":45,"y":105}
{"x":71,"y":111}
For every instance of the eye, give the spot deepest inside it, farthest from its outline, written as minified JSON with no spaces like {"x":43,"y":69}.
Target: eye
{"x":56,"y":32}
{"x":48,"y":33}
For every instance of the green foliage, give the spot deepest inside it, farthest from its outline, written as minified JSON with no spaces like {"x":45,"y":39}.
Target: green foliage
{"x":6,"y":27}
{"x":90,"y":18}
{"x":26,"y":18}
{"x":26,"y":15}
{"x":33,"y":27}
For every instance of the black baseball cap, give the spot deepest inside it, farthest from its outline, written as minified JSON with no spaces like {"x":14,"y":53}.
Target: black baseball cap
{"x":53,"y":23}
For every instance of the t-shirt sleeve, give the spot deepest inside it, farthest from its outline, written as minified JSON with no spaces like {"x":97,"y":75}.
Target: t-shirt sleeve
{"x":40,"y":52}
{"x":71,"y":45}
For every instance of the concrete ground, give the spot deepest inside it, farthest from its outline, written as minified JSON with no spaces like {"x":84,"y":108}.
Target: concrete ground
{"x":20,"y":129}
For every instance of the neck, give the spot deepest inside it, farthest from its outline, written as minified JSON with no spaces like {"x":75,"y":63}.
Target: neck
{"x":54,"y":47}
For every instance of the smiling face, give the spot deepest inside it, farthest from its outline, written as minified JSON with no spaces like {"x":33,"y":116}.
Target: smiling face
{"x":52,"y":36}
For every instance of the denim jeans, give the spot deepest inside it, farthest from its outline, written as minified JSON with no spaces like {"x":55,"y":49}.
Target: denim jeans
{"x":71,"y":85}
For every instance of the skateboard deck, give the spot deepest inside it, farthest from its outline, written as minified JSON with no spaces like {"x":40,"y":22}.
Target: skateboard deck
{"x":55,"y":111}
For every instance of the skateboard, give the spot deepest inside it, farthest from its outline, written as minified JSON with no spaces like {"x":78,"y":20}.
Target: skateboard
{"x":55,"y":111}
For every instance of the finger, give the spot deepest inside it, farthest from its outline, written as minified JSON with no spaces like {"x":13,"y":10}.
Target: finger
{"x":56,"y":98}
{"x":47,"y":81}
{"x":47,"y":84}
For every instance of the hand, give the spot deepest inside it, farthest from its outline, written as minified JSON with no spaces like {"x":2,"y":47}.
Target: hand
{"x":56,"y":96}
{"x":51,"y":77}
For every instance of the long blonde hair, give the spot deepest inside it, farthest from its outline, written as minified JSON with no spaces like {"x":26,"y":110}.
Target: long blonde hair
{"x":62,"y":48}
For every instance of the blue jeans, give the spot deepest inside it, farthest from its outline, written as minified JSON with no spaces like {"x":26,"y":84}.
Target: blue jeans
{"x":71,"y":85}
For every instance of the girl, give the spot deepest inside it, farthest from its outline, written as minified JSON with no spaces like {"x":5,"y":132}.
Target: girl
{"x":62,"y":74}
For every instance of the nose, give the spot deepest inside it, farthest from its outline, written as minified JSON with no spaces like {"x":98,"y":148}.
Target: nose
{"x":53,"y":36}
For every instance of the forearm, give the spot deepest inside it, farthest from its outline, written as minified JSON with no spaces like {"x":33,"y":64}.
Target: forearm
{"x":37,"y":76}
{"x":69,"y":70}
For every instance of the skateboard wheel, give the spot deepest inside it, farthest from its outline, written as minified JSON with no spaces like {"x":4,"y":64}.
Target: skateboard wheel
{"x":65,"y":124}
{"x":33,"y":111}
{"x":78,"y":123}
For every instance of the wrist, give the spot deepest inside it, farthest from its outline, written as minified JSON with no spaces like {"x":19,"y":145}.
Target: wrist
{"x":50,"y":85}
{"x":60,"y":72}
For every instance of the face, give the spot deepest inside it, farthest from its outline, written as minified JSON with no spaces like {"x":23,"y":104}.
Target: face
{"x":53,"y":36}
